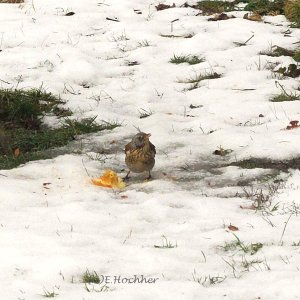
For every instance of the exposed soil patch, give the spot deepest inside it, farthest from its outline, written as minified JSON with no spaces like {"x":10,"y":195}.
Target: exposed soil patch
{"x":283,"y":165}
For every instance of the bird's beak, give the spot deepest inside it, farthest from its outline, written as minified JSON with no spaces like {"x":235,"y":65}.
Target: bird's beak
{"x":147,"y":135}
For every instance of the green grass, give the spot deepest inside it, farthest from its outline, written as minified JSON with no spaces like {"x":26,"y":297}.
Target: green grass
{"x":265,"y":7}
{"x":200,"y":77}
{"x":90,"y":277}
{"x":284,"y":96}
{"x":24,"y":137}
{"x":292,"y":70}
{"x":296,"y":56}
{"x":35,"y":144}
{"x":292,"y":12}
{"x":197,"y":78}
{"x":277,"y":51}
{"x":212,"y":7}
{"x":191,"y":60}
{"x":25,"y":108}
{"x":251,"y":249}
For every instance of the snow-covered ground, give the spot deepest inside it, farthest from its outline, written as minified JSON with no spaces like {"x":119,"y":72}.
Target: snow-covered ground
{"x":54,"y":225}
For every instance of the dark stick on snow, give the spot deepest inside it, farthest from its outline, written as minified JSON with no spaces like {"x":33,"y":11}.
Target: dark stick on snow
{"x":115,"y":20}
{"x":249,"y":39}
{"x":5,"y":81}
{"x":85,"y":168}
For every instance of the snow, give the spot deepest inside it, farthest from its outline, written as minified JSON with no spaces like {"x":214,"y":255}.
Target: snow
{"x":51,"y":234}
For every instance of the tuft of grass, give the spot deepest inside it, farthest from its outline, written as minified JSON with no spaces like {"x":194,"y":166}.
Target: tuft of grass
{"x":38,"y":144}
{"x":144,"y":43}
{"x":24,"y":137}
{"x":191,"y":60}
{"x":208,"y":280}
{"x":296,"y":56}
{"x":165,"y":244}
{"x":292,"y":70}
{"x":197,"y":78}
{"x":292,"y":11}
{"x":277,"y":51}
{"x":26,"y":108}
{"x":251,"y":249}
{"x":90,"y":277}
{"x":209,"y":7}
{"x":48,"y":294}
{"x":265,"y":7}
{"x":282,"y":97}
{"x":145,"y":113}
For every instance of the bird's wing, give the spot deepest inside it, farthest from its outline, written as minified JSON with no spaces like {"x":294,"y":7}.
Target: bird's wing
{"x":152,"y":147}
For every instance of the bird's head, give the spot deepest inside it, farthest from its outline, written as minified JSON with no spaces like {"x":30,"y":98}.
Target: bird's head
{"x":140,"y":139}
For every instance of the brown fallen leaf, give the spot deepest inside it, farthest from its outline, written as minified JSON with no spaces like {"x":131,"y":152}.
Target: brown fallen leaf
{"x":221,"y":17}
{"x":293,"y":124}
{"x":253,"y":17}
{"x":233,"y":228}
{"x":17,"y":152}
{"x":162,"y":6}
{"x":124,"y":197}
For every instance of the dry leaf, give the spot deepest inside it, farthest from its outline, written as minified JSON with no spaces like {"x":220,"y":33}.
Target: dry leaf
{"x":220,"y":17}
{"x":293,"y":125}
{"x":162,"y":6}
{"x":17,"y":152}
{"x":253,"y":17}
{"x":109,"y":179}
{"x":124,"y":197}
{"x":233,"y":228}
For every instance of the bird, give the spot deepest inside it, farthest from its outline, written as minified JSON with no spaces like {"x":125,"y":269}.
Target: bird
{"x":140,"y":155}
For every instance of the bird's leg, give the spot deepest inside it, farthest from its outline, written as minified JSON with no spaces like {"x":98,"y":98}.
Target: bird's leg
{"x":149,"y":177}
{"x":127,"y":176}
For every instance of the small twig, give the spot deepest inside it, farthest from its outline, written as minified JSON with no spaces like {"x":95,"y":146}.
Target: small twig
{"x":172,"y":24}
{"x":249,"y":39}
{"x":69,"y":91}
{"x":85,"y":168}
{"x":284,"y":228}
{"x":110,"y":19}
{"x":282,"y":88}
{"x":244,"y":89}
{"x":203,"y":255}
{"x":5,"y":81}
